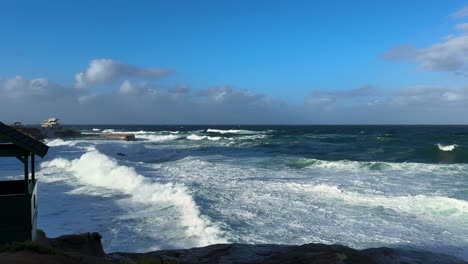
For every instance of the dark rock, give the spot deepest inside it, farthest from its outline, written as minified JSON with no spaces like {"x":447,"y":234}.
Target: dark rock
{"x":284,"y":254}
{"x":86,"y":244}
{"x":88,"y":249}
{"x":400,"y":255}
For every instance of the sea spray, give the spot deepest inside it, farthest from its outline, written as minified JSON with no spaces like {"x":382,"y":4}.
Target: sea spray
{"x":278,"y":184}
{"x":157,"y":138}
{"x":96,"y":169}
{"x":449,"y":210}
{"x":446,"y":147}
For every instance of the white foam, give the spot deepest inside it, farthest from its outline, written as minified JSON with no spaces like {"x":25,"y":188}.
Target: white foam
{"x":157,"y":138}
{"x":446,"y":147}
{"x":196,"y":137}
{"x":96,"y":129}
{"x":253,"y":137}
{"x":109,"y":130}
{"x":96,"y":169}
{"x":59,"y":142}
{"x":419,"y":205}
{"x":231,"y":131}
{"x":358,"y":166}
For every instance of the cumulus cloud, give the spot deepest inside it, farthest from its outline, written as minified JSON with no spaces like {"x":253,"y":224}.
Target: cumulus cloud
{"x":138,"y":102}
{"x":450,"y":54}
{"x":142,"y":101}
{"x":19,"y":87}
{"x":104,"y":71}
{"x":415,"y":104}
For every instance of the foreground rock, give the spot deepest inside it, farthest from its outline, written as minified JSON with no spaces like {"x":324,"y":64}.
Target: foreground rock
{"x":87,"y":248}
{"x":276,"y":254}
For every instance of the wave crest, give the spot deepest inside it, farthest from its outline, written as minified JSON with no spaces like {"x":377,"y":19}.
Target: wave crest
{"x":446,"y":147}
{"x":96,"y":169}
{"x":231,"y":131}
{"x":157,"y":138}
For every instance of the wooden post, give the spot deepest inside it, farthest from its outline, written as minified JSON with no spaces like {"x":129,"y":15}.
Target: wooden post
{"x":26,"y":174}
{"x":33,"y":171}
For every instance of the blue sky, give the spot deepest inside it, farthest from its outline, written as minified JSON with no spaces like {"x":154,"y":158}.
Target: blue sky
{"x":286,"y":51}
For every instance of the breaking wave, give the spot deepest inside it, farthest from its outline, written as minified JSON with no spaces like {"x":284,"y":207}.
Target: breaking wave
{"x":421,"y":205}
{"x":197,"y":137}
{"x":157,"y":138}
{"x":59,"y":142}
{"x":231,"y":131}
{"x":349,"y":165}
{"x":446,"y":147}
{"x":98,"y":170}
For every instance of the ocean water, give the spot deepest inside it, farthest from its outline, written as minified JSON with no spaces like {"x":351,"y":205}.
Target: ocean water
{"x":188,"y":186}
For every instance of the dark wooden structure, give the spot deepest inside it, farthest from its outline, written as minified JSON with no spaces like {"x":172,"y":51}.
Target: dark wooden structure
{"x":18,"y":198}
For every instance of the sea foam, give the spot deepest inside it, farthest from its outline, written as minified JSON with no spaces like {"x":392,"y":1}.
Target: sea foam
{"x":98,"y":170}
{"x":230,"y":131}
{"x":197,"y":137}
{"x":156,"y":138}
{"x":417,"y":205}
{"x":446,"y":147}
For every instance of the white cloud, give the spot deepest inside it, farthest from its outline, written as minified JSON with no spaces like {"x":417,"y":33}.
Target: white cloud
{"x":104,"y":71}
{"x":136,"y":102}
{"x":462,"y":26}
{"x":449,"y":55}
{"x":419,"y":97}
{"x":128,"y":88}
{"x":228,"y":95}
{"x":422,"y":104}
{"x":20,"y":87}
{"x":461,"y":13}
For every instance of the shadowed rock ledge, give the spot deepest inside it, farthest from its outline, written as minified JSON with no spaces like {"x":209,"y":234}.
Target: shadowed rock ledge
{"x":87,"y":248}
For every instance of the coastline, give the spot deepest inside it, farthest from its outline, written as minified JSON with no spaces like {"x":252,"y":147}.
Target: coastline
{"x":87,"y":248}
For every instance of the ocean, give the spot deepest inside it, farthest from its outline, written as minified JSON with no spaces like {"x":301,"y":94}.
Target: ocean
{"x":190,"y":186}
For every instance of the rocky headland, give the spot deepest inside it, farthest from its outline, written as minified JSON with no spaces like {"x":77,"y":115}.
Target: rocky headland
{"x":87,"y":248}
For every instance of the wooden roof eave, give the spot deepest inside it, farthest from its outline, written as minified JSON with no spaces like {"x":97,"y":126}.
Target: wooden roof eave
{"x":12,"y":150}
{"x":21,"y":140}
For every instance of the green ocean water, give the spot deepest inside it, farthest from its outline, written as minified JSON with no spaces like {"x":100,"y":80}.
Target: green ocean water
{"x":185,"y":186}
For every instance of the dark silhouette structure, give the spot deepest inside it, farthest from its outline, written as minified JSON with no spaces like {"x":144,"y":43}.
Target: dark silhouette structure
{"x":18,"y":198}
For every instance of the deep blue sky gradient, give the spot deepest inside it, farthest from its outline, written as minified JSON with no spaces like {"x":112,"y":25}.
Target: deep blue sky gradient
{"x":281,"y":48}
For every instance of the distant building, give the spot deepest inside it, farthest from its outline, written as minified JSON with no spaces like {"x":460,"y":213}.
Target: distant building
{"x":51,"y":123}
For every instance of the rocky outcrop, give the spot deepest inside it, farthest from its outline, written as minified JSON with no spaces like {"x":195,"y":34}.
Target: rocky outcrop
{"x":281,"y":254}
{"x":87,"y":248}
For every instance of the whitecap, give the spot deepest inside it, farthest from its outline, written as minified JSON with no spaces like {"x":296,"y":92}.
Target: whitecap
{"x":157,"y":138}
{"x":59,"y":142}
{"x":420,"y":205}
{"x":98,"y":170}
{"x":196,"y":137}
{"x":231,"y":131}
{"x":446,"y":147}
